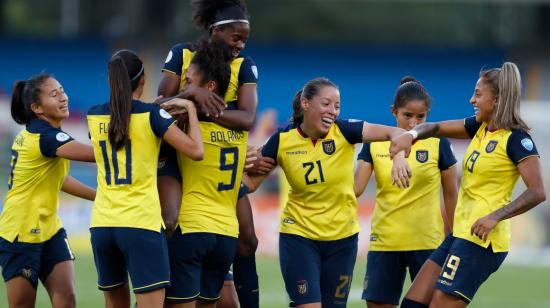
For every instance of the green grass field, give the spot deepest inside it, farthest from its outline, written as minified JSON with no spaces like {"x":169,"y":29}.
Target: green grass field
{"x":511,"y":286}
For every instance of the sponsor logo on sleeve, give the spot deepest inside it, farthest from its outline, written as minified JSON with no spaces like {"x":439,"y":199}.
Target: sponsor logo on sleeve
{"x":163,"y":113}
{"x":62,"y":137}
{"x":254,"y":69}
{"x":168,"y":57}
{"x":527,"y":144}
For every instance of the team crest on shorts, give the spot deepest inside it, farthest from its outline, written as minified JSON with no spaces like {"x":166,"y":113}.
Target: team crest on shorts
{"x":491,"y":146}
{"x":27,"y":273}
{"x":422,"y":156}
{"x":329,"y":147}
{"x":302,"y":287}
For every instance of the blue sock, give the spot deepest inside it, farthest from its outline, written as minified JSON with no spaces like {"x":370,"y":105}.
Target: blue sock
{"x":246,"y":281}
{"x":409,"y":303}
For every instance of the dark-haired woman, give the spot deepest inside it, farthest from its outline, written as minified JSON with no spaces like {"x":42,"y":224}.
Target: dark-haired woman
{"x":499,"y":152}
{"x":33,"y":243}
{"x":226,"y":22}
{"x":406,"y":225}
{"x":127,"y":228}
{"x":319,"y":223}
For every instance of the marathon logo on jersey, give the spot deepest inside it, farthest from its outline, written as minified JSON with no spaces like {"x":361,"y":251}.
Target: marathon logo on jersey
{"x":302,"y":287}
{"x":288,"y":220}
{"x":35,"y":231}
{"x":491,"y":146}
{"x":19,"y":140}
{"x":422,"y":156}
{"x":329,"y":147}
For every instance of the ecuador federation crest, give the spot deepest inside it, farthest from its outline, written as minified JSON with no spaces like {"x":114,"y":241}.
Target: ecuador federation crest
{"x":302,"y":287}
{"x":491,"y":146}
{"x":422,"y":156}
{"x":329,"y":147}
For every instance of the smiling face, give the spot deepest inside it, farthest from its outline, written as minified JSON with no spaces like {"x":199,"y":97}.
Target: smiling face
{"x":414,"y":112}
{"x":322,"y":110}
{"x":484,"y":101}
{"x":53,"y":104}
{"x":234,"y":35}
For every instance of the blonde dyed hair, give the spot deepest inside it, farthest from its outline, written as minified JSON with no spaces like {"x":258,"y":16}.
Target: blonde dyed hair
{"x":505,"y":83}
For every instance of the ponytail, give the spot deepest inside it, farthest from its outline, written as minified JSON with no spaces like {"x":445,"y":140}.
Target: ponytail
{"x":120,"y":103}
{"x":125,"y":73}
{"x":24,"y":94}
{"x":505,"y":83}
{"x":297,"y":113}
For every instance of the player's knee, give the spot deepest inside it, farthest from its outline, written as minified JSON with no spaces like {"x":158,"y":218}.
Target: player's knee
{"x":64,"y":299}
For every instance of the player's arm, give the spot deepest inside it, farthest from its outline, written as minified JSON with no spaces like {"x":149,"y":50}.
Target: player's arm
{"x":377,"y":132}
{"x":75,"y":150}
{"x":243,"y":118}
{"x":459,"y":129}
{"x":449,"y":184}
{"x":363,"y":172}
{"x":169,"y":84}
{"x":191,"y":143}
{"x":76,"y":188}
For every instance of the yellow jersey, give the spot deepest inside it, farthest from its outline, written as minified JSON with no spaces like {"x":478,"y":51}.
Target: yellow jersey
{"x":489,"y":174}
{"x":127,"y":178}
{"x":408,"y":219}
{"x":321,"y":202}
{"x":36,"y":177}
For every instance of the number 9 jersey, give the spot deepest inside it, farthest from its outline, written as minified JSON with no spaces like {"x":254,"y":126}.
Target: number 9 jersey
{"x":126,"y":178}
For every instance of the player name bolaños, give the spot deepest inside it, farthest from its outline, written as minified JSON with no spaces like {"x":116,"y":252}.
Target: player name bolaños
{"x":226,"y":136}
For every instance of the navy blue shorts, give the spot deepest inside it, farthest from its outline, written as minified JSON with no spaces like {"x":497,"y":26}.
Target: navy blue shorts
{"x":168,"y":162}
{"x":465,"y":266}
{"x":141,"y":253}
{"x":199,"y":263}
{"x":386,"y":272}
{"x":34,"y":261}
{"x":317,"y":271}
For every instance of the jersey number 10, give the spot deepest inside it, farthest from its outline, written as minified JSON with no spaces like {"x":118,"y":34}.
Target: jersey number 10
{"x":127,"y":150}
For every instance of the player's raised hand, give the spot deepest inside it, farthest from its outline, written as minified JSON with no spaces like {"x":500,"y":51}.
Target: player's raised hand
{"x":401,"y":171}
{"x":400,"y":143}
{"x":257,"y":164}
{"x":483,"y":226}
{"x":177,"y":106}
{"x":211,"y":104}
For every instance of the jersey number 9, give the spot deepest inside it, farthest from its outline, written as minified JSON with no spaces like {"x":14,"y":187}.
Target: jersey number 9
{"x":118,"y":180}
{"x":224,"y":166}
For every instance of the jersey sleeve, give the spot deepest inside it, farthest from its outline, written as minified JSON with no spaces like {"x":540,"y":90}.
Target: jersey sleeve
{"x":352,"y":130}
{"x":365,"y":153}
{"x":271,"y":147}
{"x":520,"y":146}
{"x":160,"y":120}
{"x":248,"y":72}
{"x":471,"y":126}
{"x":447,"y":158}
{"x":52,"y":139}
{"x":174,"y":59}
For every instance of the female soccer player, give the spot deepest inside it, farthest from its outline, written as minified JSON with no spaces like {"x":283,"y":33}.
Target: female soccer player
{"x":226,"y":21}
{"x":406,"y":225}
{"x":33,"y":244}
{"x":500,"y":151}
{"x":319,"y":224}
{"x":127,"y":228}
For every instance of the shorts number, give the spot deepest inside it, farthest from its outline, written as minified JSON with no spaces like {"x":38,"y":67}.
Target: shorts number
{"x":471,"y":161}
{"x":343,"y":286}
{"x":14,"y":157}
{"x":452,"y":264}
{"x":310,"y":167}
{"x":128,"y":164}
{"x":224,"y":166}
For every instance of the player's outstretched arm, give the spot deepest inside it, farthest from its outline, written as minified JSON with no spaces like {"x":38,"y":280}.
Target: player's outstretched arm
{"x":189,"y":144}
{"x":76,"y":188}
{"x":76,"y":150}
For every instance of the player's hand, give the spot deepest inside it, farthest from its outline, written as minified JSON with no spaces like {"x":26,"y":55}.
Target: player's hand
{"x":401,"y":171}
{"x":158,"y":99}
{"x":257,"y":164}
{"x":177,"y":106}
{"x":400,"y":143}
{"x":211,"y":104}
{"x":483,"y":226}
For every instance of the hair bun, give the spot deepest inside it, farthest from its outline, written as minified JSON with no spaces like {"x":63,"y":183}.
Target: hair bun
{"x":407,"y":79}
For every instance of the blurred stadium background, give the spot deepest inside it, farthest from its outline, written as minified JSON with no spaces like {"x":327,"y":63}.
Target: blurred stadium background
{"x":365,"y":46}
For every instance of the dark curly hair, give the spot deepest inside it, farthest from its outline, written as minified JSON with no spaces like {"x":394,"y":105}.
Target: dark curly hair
{"x":204,"y":11}
{"x":212,"y":60}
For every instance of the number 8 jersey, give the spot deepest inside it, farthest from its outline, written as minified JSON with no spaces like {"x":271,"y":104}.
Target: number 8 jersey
{"x":127,"y":178}
{"x":321,"y":202}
